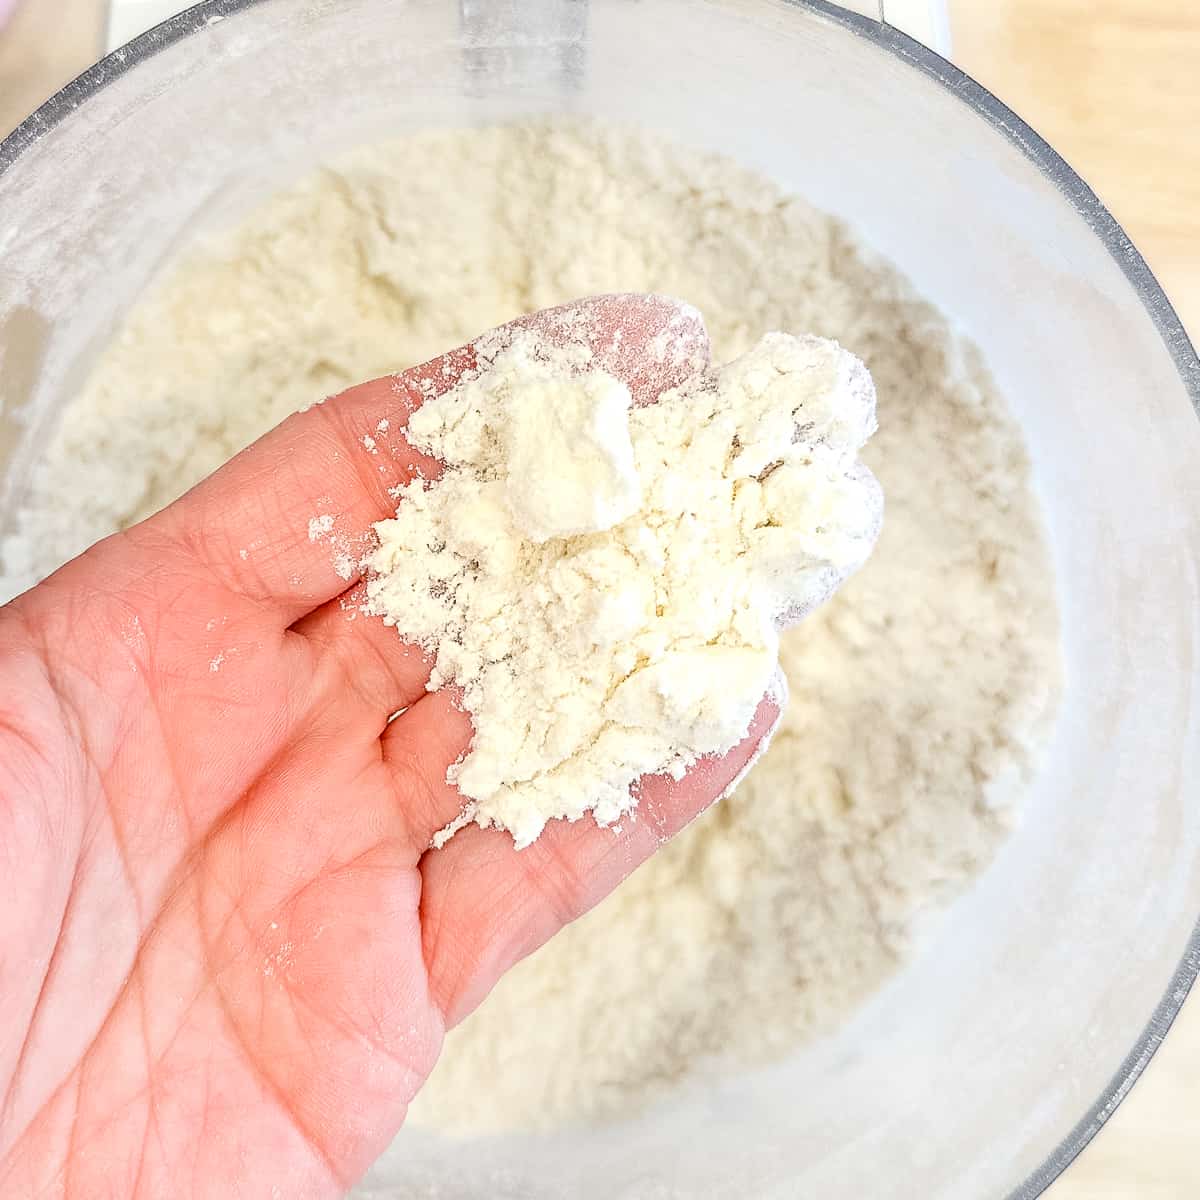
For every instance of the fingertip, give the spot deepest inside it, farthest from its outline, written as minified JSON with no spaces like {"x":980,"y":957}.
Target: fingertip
{"x":649,"y":341}
{"x":671,"y":804}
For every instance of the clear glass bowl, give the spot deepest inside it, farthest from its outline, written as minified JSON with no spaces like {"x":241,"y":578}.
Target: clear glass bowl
{"x":985,"y":1067}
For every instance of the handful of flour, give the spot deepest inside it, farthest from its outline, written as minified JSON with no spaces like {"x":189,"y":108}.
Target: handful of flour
{"x":606,"y":583}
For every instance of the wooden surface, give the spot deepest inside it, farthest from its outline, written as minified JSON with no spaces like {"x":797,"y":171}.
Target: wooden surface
{"x":1114,"y":85}
{"x":45,"y":44}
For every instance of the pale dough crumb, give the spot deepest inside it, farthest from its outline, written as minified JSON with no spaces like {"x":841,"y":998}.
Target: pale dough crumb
{"x":605,"y":583}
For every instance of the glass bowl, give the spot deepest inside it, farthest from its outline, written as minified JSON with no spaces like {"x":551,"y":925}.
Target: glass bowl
{"x":985,"y":1066}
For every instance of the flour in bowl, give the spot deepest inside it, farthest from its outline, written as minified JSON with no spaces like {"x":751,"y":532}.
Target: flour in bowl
{"x":920,"y":694}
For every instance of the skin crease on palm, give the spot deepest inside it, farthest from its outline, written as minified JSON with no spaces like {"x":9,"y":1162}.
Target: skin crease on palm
{"x":227,"y":958}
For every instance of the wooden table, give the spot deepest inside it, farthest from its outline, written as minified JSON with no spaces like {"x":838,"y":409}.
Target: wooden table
{"x":1115,"y":86}
{"x":46,"y":44}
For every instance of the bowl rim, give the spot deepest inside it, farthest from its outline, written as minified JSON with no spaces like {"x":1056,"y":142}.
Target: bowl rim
{"x":1036,"y":149}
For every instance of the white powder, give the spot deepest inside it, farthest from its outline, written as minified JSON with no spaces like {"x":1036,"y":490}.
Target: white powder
{"x":606,"y":585}
{"x":920,"y":694}
{"x":320,"y":527}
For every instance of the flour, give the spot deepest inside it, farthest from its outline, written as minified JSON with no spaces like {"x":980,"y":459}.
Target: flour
{"x":605,"y":584}
{"x":920,"y":694}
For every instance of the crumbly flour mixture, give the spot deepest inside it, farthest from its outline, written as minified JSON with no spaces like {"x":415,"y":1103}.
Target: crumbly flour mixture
{"x":920,"y":695}
{"x":605,"y":583}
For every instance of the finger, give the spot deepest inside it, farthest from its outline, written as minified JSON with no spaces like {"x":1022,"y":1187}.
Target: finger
{"x":419,"y":747}
{"x":286,"y":522}
{"x":651,"y":343}
{"x":361,"y":661}
{"x":485,"y":906}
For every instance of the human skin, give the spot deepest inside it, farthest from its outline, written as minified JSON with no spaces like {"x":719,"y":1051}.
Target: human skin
{"x":228,"y":958}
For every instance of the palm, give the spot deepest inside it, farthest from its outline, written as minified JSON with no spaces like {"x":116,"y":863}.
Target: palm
{"x":229,"y":962}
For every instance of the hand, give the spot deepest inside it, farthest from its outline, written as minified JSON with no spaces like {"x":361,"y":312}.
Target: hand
{"x":227,"y":960}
